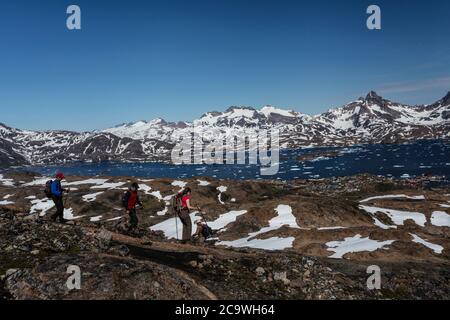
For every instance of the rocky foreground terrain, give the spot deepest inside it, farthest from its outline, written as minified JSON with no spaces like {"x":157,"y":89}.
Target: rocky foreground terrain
{"x":283,"y":240}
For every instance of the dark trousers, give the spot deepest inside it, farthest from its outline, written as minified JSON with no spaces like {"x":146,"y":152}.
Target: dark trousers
{"x":133,"y":219}
{"x":187,"y":224}
{"x":58,"y":201}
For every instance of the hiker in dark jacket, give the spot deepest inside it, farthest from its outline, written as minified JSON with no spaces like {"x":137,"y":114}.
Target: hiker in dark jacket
{"x":184,"y":214}
{"x":57,"y":197}
{"x":131,"y":200}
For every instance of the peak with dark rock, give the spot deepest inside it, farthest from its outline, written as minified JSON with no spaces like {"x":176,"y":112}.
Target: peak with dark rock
{"x":372,"y":96}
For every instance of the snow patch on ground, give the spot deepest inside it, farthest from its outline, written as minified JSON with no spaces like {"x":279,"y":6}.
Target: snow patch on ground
{"x":203,"y":183}
{"x":435,"y":247}
{"x":221,"y":189}
{"x":440,"y":219}
{"x":68,"y":214}
{"x":397,"y":216}
{"x":225,"y":219}
{"x":393,"y":196}
{"x":5,"y":202}
{"x":178,"y":183}
{"x":354,"y":244}
{"x":284,"y":217}
{"x":95,"y":219}
{"x":87,"y":181}
{"x":41,"y":205}
{"x":109,"y":185}
{"x":169,"y":226}
{"x":91,"y":197}
{"x":37,"y":182}
{"x":6,"y":182}
{"x":331,"y":228}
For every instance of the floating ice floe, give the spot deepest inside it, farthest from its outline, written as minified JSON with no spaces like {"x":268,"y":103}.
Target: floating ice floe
{"x":397,"y":216}
{"x":284,"y":218}
{"x":435,"y":247}
{"x":394,"y":196}
{"x":203,"y":183}
{"x":91,"y":197}
{"x":355,"y":244}
{"x":440,"y":219}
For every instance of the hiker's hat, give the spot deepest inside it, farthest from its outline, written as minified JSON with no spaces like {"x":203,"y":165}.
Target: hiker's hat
{"x":60,"y":175}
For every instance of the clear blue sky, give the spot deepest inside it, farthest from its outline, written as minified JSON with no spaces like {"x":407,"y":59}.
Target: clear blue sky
{"x":137,"y":60}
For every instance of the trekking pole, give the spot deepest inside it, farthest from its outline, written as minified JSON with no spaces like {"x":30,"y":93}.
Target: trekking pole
{"x":176,"y":224}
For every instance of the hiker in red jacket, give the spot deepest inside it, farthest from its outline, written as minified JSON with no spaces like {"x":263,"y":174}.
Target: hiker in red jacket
{"x":130,"y":200}
{"x":184,"y":214}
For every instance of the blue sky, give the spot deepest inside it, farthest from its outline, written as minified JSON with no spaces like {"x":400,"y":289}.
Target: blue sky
{"x":137,"y":60}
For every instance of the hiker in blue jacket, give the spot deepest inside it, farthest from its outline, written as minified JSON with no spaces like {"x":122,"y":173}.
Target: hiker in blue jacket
{"x":57,"y":197}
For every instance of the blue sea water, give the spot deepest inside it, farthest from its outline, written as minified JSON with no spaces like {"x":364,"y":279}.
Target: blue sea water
{"x":399,"y":161}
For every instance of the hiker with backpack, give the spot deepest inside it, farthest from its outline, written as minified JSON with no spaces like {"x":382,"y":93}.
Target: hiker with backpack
{"x":129,"y":200}
{"x":183,"y":209}
{"x":54,"y":191}
{"x":203,"y":231}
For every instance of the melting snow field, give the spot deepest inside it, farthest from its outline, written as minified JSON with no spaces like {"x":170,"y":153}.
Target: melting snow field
{"x":284,"y":218}
{"x":178,"y":183}
{"x":108,"y":185}
{"x":221,"y":190}
{"x":91,"y":197}
{"x":225,"y":219}
{"x":169,"y":226}
{"x":440,"y":219}
{"x":6,"y":182}
{"x":355,"y":244}
{"x":435,"y":247}
{"x":397,"y":216}
{"x":41,"y":205}
{"x":203,"y":183}
{"x":87,"y":181}
{"x":393,"y":196}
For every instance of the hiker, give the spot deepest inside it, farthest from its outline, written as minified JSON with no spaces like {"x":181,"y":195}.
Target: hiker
{"x":130,"y":200}
{"x":203,"y":231}
{"x":56,"y":194}
{"x":184,"y":213}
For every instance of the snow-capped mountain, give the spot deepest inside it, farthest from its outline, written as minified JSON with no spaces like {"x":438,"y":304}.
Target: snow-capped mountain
{"x":369,"y":119}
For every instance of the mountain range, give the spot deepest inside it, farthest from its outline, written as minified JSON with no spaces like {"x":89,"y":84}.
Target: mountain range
{"x":371,"y":119}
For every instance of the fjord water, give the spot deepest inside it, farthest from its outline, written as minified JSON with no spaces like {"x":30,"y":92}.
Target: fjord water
{"x":392,"y":160}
